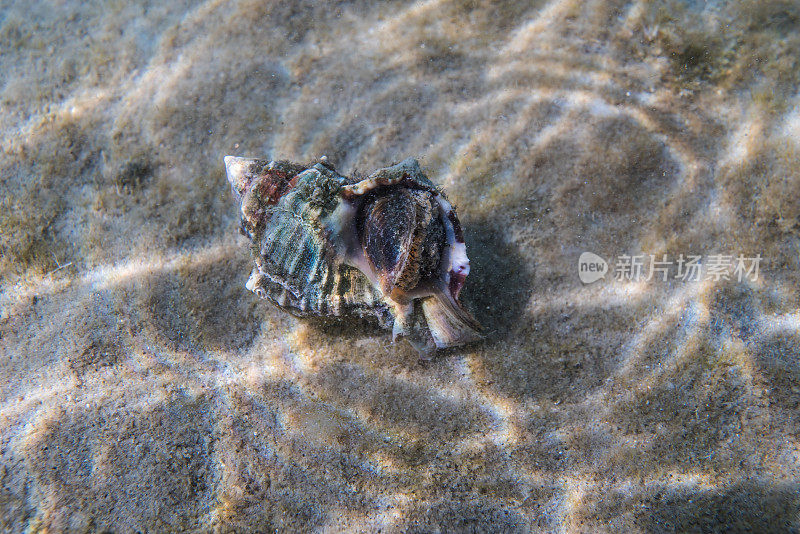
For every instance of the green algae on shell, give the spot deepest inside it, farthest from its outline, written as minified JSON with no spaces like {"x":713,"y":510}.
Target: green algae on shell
{"x":389,"y":246}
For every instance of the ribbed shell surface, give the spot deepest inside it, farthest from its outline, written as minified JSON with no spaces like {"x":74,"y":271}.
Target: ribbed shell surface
{"x":302,"y":269}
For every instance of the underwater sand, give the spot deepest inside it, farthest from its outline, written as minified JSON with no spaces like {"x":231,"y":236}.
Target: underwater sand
{"x":143,"y":389}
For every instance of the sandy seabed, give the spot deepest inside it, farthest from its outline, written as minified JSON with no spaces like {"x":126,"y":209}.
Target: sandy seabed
{"x":143,"y":389}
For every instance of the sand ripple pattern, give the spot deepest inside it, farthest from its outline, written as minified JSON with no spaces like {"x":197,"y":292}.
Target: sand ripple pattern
{"x":142,"y":388}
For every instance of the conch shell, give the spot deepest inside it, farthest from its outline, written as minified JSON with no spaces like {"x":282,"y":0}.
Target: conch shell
{"x":389,"y":246}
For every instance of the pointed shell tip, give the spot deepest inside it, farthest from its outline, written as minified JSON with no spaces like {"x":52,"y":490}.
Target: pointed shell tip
{"x":236,"y":168}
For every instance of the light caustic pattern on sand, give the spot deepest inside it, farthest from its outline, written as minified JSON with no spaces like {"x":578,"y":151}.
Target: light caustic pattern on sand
{"x":143,"y":388}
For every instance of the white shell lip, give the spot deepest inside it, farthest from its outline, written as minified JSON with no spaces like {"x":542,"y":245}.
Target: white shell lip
{"x":459,"y":262}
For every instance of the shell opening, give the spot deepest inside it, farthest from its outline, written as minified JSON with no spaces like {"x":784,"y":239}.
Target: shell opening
{"x":402,"y":238}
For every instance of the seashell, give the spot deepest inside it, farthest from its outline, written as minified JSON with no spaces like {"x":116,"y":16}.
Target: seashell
{"x":389,"y":246}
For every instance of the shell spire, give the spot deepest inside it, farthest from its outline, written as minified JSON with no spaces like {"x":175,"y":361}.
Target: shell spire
{"x":236,"y":169}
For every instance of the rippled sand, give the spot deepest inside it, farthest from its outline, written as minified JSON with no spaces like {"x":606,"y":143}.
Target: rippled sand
{"x":142,"y":388}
